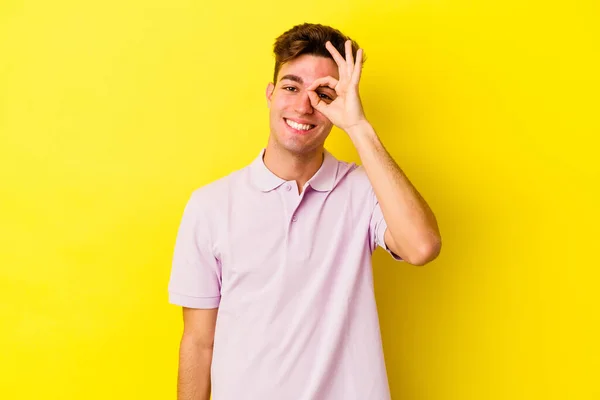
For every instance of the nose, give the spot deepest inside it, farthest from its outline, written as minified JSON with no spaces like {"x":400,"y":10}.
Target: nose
{"x":302,"y":105}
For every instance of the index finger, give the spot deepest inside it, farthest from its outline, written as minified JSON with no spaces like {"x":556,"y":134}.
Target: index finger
{"x":326,"y":81}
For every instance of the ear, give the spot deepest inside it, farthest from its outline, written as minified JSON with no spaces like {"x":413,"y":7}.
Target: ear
{"x":269,"y":93}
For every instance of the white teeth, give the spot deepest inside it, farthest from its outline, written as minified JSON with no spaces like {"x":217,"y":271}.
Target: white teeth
{"x":300,"y":127}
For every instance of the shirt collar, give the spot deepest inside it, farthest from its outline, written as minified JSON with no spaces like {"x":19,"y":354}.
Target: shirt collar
{"x":323,"y":180}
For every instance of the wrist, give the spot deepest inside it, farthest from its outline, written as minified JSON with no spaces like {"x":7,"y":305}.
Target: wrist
{"x":360,"y":130}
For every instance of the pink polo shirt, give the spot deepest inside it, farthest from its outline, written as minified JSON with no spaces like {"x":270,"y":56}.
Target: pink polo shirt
{"x":291,"y":275}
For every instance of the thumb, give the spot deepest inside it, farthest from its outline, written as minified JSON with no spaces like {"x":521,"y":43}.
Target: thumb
{"x":316,"y":102}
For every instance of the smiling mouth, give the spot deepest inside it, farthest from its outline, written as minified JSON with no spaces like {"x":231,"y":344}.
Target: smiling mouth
{"x":298,"y":127}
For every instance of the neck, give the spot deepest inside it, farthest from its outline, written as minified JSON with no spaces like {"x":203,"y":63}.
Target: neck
{"x":299,"y":167}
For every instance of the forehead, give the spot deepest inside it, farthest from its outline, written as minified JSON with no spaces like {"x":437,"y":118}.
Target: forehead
{"x":309,"y":68}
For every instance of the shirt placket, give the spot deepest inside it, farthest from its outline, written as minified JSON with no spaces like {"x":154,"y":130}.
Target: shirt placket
{"x":293,"y":216}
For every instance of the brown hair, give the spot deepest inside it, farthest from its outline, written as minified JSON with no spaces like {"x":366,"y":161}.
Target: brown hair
{"x":309,"y":39}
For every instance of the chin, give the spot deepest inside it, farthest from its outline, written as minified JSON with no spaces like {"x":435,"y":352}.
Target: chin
{"x":298,"y":147}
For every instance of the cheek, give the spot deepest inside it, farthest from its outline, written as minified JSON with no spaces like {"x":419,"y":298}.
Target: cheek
{"x":278,"y":104}
{"x":323,"y":119}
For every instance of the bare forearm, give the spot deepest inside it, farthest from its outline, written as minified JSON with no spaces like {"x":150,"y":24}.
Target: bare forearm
{"x":410,"y":221}
{"x":193,"y":381}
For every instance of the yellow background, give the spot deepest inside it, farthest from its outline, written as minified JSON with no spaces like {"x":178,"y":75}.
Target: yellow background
{"x":112,"y":112}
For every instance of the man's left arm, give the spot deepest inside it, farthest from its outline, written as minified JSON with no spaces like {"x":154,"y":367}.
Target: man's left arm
{"x":412,"y":231}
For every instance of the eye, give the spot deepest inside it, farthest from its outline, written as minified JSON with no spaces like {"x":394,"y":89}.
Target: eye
{"x":289,"y":87}
{"x":324,"y":96}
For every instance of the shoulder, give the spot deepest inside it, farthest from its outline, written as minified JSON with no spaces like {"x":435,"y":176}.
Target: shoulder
{"x":353,"y":174}
{"x":353,"y":182}
{"x":215,"y":193}
{"x":358,"y":174}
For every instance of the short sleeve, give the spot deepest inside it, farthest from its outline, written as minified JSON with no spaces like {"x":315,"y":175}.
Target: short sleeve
{"x":378,"y":227}
{"x":195,"y":280}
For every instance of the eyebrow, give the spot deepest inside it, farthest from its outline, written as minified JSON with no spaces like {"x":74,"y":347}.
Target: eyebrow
{"x":294,"y":78}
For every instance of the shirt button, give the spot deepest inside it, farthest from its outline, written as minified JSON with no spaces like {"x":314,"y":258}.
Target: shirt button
{"x":294,"y":218}
{"x":288,"y":187}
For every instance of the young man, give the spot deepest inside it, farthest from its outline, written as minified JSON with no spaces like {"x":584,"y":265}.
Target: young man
{"x":282,"y":248}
